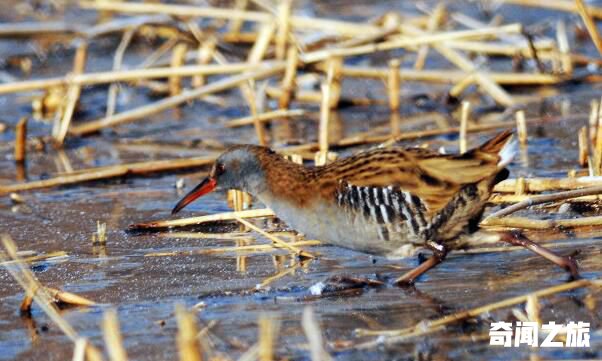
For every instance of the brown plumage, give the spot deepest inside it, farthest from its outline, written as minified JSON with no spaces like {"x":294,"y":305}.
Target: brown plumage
{"x":385,"y":201}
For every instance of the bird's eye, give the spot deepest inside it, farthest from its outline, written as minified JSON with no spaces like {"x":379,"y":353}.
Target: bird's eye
{"x":219,"y":169}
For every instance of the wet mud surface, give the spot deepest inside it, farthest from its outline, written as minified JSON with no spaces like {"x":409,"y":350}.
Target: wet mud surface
{"x":144,"y":289}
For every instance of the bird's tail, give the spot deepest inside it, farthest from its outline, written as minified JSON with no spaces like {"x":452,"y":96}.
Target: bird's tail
{"x":503,"y":144}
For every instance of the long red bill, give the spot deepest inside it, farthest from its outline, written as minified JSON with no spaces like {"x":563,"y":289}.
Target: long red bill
{"x":207,"y":185}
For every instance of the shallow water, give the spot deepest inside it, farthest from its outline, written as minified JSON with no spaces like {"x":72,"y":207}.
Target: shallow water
{"x":145,"y":289}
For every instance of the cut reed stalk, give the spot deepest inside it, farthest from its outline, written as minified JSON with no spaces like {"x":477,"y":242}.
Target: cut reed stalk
{"x":186,"y":339}
{"x":312,"y":331}
{"x":521,"y":127}
{"x":464,"y":126}
{"x":21,"y":140}
{"x":112,"y":336}
{"x":268,"y":335}
{"x":583,"y":147}
{"x":177,"y":60}
{"x":394,"y":84}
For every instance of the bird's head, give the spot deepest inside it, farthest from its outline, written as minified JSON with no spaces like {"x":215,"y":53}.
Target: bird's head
{"x":240,"y":167}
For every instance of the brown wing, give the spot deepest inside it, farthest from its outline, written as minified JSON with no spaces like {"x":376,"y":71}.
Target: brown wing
{"x":433,"y":178}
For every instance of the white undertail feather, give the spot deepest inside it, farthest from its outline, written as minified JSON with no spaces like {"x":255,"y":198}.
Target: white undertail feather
{"x":508,"y":152}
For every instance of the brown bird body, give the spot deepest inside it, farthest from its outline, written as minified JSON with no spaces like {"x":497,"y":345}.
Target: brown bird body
{"x":385,"y":201}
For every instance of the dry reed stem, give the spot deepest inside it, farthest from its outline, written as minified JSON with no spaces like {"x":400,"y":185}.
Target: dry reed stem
{"x":545,"y":50}
{"x":188,"y":345}
{"x":435,"y":38}
{"x":487,"y":84}
{"x":597,"y":144}
{"x":275,"y":239}
{"x":178,"y":58}
{"x":117,"y":62}
{"x":21,"y":140}
{"x":520,"y":187}
{"x":460,"y":86}
{"x":534,"y":200}
{"x":428,"y":326}
{"x":521,"y":127}
{"x":41,"y":257}
{"x":79,"y":350}
{"x":447,"y":76}
{"x":542,"y":224}
{"x":40,"y":294}
{"x":589,"y":24}
{"x":69,"y":298}
{"x":284,"y":15}
{"x":333,"y":79}
{"x":35,"y":28}
{"x":119,"y":170}
{"x":73,"y":93}
{"x":235,"y":25}
{"x":226,"y":216}
{"x":563,"y":46}
{"x":583,"y":147}
{"x":533,"y":309}
{"x":248,"y":88}
{"x":112,"y":336}
{"x":464,"y":126}
{"x":259,"y":248}
{"x":494,"y":90}
{"x":265,"y":117}
{"x":434,"y":20}
{"x":268,"y":334}
{"x":560,"y":5}
{"x":277,"y":276}
{"x":130,"y":75}
{"x":170,"y":102}
{"x":548,"y":184}
{"x":312,"y":331}
{"x":297,"y":23}
{"x":593,"y":120}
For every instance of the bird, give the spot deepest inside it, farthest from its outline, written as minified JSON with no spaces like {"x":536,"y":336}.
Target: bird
{"x":384,"y":201}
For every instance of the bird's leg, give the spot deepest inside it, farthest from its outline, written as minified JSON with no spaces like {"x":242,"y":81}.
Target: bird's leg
{"x":518,"y":239}
{"x":439,"y":253}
